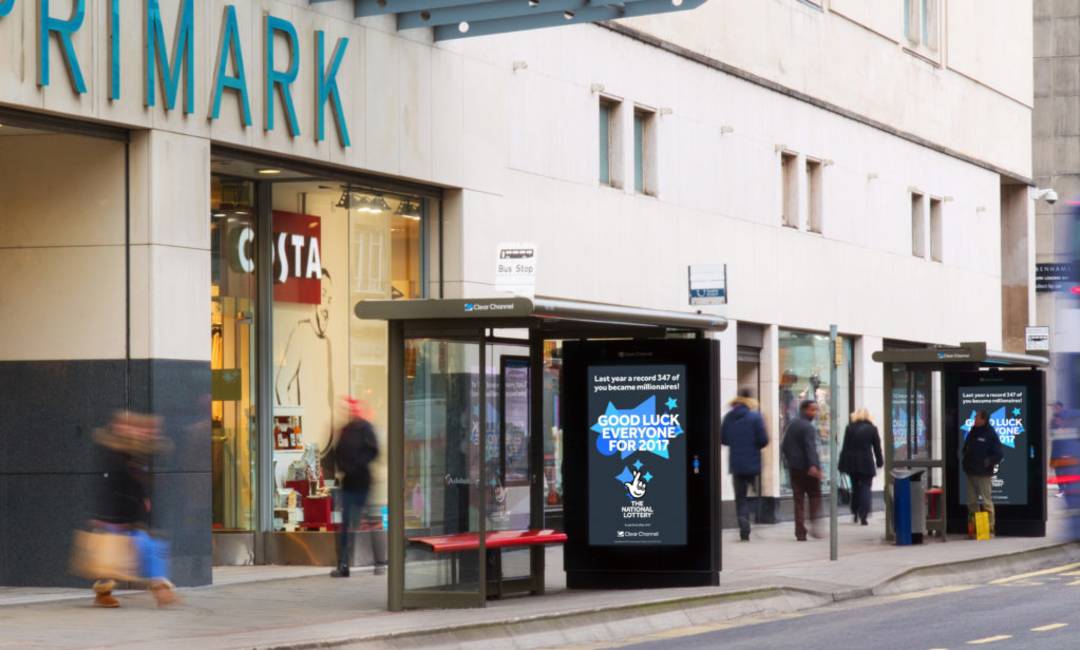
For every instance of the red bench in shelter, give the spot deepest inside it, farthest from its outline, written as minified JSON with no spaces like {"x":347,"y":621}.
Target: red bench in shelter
{"x":494,"y":541}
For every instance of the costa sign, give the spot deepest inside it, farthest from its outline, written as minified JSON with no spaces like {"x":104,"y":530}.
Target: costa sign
{"x":297,"y":256}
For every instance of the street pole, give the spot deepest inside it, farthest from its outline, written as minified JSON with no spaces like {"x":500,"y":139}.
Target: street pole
{"x":833,"y":474}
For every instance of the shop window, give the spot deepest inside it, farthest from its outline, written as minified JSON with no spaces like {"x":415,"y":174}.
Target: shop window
{"x":918,"y":225}
{"x":789,"y":189}
{"x":804,"y":359}
{"x":814,"y":195}
{"x":644,"y":151}
{"x":334,"y":245}
{"x":936,"y":242}
{"x":233,"y":367}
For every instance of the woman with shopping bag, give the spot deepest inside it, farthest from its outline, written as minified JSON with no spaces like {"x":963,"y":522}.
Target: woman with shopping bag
{"x":118,"y":546}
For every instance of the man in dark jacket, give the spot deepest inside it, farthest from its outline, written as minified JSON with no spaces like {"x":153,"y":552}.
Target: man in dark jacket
{"x":356,"y":448}
{"x":981,"y":455}
{"x":743,"y":432}
{"x":799,"y":448}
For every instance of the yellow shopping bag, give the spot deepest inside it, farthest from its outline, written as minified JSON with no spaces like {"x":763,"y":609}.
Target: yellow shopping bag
{"x":100,"y":554}
{"x":982,"y":525}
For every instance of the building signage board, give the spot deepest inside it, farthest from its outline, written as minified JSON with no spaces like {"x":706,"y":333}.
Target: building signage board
{"x":1007,"y":407}
{"x":169,"y":61}
{"x":708,"y":284}
{"x":297,"y":256}
{"x":1052,"y":277}
{"x":1037,"y":338}
{"x":637,"y":455}
{"x":515,"y":268}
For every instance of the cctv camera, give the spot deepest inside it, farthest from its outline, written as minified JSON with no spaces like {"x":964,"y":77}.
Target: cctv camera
{"x":1048,"y":194}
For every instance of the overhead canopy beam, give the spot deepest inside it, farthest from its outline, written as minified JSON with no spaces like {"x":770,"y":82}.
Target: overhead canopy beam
{"x":453,"y":19}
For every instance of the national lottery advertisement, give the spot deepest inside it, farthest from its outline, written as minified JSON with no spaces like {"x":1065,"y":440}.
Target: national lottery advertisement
{"x":637,"y":455}
{"x":1007,"y":406}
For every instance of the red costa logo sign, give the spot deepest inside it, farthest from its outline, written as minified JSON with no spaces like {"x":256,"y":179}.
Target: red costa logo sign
{"x":297,"y":256}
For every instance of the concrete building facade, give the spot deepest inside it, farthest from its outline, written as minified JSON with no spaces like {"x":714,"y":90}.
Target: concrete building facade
{"x":194,"y":195}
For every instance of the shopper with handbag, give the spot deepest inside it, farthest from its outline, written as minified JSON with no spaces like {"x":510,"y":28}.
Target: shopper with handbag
{"x":860,"y":458}
{"x":118,"y":546}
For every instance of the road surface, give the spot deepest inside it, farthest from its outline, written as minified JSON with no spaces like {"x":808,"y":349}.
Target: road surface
{"x":1034,"y":611}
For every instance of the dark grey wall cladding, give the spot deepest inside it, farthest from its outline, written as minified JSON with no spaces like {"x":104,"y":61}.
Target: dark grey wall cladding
{"x":50,"y":467}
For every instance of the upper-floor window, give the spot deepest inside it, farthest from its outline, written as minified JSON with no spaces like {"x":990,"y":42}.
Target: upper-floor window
{"x":922,"y":23}
{"x":937,"y":242}
{"x":644,"y":151}
{"x":789,"y":189}
{"x":918,"y":225}
{"x":814,"y":197}
{"x":608,"y":138}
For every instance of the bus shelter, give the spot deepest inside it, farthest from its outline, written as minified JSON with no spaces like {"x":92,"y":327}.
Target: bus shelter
{"x":473,"y":388}
{"x":931,"y":396}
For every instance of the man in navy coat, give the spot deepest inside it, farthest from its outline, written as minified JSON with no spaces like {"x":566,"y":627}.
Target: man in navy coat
{"x":743,"y":432}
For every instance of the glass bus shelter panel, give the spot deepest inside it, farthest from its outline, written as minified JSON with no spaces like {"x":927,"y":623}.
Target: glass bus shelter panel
{"x":507,"y":449}
{"x":442,"y":467}
{"x":912,"y":414}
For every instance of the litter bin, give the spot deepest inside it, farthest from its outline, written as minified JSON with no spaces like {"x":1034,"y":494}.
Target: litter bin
{"x":909,"y":506}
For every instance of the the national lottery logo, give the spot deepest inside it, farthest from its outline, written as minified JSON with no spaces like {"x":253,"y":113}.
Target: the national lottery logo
{"x":1008,"y":422}
{"x":635,"y":479}
{"x":640,"y":428}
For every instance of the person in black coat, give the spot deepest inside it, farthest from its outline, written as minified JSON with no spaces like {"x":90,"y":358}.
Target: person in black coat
{"x":980,"y":457}
{"x":354,"y":452}
{"x":743,"y":433}
{"x":860,"y":458}
{"x":799,"y":449}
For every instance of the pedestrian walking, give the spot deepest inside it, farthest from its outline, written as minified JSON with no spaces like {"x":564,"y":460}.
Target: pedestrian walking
{"x":354,"y":452}
{"x":799,"y":448}
{"x":743,"y":432}
{"x":860,"y":458}
{"x":981,"y":455}
{"x":123,"y":514}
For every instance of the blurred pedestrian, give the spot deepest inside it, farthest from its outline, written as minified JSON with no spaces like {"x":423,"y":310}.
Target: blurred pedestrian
{"x":799,"y":448}
{"x":1060,"y":435}
{"x":124,"y":505}
{"x":354,"y":452}
{"x":743,"y":432}
{"x":981,"y":454}
{"x":860,"y":458}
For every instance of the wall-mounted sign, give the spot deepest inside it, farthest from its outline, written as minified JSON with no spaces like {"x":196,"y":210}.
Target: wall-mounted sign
{"x":1007,"y":407}
{"x":1037,"y":338}
{"x":297,"y":256}
{"x":708,"y":284}
{"x":169,"y":60}
{"x":637,"y":455}
{"x":1052,"y":277}
{"x":515,"y":268}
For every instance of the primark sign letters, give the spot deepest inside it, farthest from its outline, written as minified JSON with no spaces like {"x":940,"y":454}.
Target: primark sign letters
{"x":174,"y":62}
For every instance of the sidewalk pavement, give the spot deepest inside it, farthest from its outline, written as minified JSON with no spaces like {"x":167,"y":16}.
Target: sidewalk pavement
{"x":302,"y":607}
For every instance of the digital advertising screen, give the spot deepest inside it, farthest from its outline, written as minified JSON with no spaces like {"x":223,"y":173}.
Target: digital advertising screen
{"x":1008,"y":409}
{"x":637,"y":455}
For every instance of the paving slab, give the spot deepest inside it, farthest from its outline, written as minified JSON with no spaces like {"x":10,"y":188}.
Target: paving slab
{"x":302,"y":607}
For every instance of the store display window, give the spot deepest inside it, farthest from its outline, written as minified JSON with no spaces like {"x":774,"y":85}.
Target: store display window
{"x":334,"y":245}
{"x":804,"y":359}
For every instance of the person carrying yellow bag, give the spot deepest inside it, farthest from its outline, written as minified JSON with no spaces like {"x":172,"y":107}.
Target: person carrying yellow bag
{"x":981,"y":455}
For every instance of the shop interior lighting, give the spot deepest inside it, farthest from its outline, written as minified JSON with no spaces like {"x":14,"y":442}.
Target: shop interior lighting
{"x":219,"y":215}
{"x":269,"y":171}
{"x":379,"y":204}
{"x":363,"y":204}
{"x":409,"y":210}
